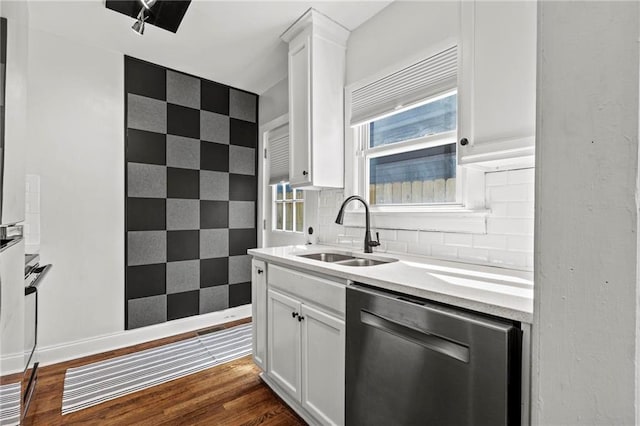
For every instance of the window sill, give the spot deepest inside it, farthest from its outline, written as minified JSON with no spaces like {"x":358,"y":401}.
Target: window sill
{"x":453,"y":218}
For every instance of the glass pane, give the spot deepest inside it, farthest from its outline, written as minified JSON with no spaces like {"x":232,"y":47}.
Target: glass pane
{"x":279,"y":218}
{"x":428,"y":119}
{"x":299,"y":216}
{"x":288,"y":192}
{"x":423,"y":176}
{"x":279,"y":191}
{"x":289,"y":217}
{"x":299,"y":194}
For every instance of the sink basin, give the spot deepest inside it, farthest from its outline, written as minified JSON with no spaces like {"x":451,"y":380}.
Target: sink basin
{"x":358,"y":261}
{"x":346,"y":259}
{"x":328,"y":257}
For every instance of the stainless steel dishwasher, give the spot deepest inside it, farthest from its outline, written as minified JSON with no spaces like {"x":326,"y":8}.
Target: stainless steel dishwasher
{"x":414,"y":362}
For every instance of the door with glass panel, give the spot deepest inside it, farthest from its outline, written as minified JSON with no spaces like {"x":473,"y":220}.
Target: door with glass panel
{"x":283,"y":206}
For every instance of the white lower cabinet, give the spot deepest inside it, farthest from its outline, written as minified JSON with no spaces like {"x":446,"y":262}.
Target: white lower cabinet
{"x":284,"y":342}
{"x":259,"y":311}
{"x":306,"y":356}
{"x":323,"y":354}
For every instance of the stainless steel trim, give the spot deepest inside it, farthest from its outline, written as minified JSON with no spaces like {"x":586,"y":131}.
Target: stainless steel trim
{"x":422,"y":338}
{"x":39,"y":273}
{"x":435,"y":307}
{"x":10,"y":236}
{"x":412,"y":361}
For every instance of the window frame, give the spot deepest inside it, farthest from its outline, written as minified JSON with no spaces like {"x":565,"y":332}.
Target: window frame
{"x":296,"y":203}
{"x":468,"y":214}
{"x":407,"y":145}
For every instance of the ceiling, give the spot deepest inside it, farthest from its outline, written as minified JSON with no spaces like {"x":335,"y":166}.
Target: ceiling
{"x":232,"y":42}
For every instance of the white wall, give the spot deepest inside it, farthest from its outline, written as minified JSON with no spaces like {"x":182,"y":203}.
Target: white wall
{"x":11,"y":261}
{"x":76,"y":116}
{"x":76,"y":147}
{"x":274,"y":102}
{"x":17,"y":15}
{"x":586,"y":294}
{"x":401,"y":31}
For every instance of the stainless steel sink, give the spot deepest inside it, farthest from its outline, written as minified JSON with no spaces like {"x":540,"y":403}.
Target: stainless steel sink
{"x":359,"y":261}
{"x":346,"y":259}
{"x":328,"y":257}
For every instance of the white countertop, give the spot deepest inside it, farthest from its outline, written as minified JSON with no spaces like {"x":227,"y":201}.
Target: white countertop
{"x":501,"y":292}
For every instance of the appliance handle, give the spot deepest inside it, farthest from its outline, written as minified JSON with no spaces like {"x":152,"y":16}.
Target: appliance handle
{"x":426,"y":340}
{"x":41,"y":271}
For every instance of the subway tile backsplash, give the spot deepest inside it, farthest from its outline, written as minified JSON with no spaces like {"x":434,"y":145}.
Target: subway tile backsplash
{"x":508,"y":241}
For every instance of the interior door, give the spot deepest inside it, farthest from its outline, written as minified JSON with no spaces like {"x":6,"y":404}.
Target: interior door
{"x":271,"y":237}
{"x":283,"y":354}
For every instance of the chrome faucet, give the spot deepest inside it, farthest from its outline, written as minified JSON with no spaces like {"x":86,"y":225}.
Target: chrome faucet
{"x":368,"y":242}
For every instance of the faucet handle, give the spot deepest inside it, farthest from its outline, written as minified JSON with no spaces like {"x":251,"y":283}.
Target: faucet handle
{"x":376,"y":242}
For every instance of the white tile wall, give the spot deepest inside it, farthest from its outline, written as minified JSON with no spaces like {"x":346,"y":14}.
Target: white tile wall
{"x":508,"y":241}
{"x":32,"y":214}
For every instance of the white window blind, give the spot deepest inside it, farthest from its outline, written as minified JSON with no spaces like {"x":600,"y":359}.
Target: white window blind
{"x":406,"y":87}
{"x":278,"y":154}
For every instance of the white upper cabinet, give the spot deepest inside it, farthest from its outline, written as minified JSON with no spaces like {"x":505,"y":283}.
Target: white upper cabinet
{"x":317,"y":48}
{"x":497,"y":84}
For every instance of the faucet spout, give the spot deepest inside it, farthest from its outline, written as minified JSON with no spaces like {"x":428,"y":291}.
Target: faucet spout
{"x":368,"y":242}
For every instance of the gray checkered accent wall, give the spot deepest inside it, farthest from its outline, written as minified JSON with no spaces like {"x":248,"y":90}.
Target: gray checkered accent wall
{"x":191,"y":190}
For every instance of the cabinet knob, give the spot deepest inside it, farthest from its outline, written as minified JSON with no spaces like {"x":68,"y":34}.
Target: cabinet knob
{"x":300,"y":318}
{"x":260,"y":271}
{"x":304,"y":173}
{"x":294,"y":314}
{"x":464,"y":141}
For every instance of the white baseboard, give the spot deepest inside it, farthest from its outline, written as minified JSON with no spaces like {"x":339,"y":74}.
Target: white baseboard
{"x":12,"y":364}
{"x":80,"y":348}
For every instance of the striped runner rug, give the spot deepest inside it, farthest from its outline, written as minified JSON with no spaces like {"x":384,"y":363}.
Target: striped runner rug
{"x":10,"y":404}
{"x":102,"y":381}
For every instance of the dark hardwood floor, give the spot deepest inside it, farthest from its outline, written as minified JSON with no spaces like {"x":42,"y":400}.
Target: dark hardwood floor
{"x":228,"y":394}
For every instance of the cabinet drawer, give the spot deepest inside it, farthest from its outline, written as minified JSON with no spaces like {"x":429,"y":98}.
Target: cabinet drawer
{"x":316,"y":290}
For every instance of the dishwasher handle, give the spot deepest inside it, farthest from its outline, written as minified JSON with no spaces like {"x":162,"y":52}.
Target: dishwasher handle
{"x":427,"y":340}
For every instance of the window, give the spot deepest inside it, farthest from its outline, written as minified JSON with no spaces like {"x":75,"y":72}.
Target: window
{"x":405,"y":126}
{"x":289,"y":208}
{"x":410,"y":156}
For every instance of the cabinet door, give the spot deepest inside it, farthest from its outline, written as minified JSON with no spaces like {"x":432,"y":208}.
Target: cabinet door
{"x":323,"y":352}
{"x":497,"y":80}
{"x":283,"y":339}
{"x":259,"y":311}
{"x":300,"y":111}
